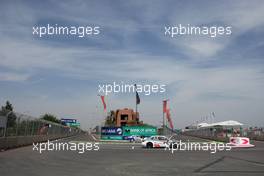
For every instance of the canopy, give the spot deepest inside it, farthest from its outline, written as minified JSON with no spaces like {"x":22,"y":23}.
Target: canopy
{"x":228,"y":123}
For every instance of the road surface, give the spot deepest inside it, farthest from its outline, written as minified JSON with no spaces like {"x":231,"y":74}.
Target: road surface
{"x":130,"y":159}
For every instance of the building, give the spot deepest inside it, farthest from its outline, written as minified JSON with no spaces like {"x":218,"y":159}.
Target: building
{"x":123,"y":117}
{"x":126,"y":117}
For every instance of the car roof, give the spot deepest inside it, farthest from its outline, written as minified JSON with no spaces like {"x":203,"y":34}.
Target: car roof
{"x":158,"y":136}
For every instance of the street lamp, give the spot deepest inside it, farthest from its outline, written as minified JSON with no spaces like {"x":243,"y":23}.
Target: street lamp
{"x":6,"y":122}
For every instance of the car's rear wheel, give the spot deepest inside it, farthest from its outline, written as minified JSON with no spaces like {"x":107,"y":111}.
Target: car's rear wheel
{"x":174,"y":145}
{"x":149,"y":145}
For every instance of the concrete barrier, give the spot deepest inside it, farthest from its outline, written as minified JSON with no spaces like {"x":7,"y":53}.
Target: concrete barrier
{"x":18,"y":141}
{"x":213,"y":138}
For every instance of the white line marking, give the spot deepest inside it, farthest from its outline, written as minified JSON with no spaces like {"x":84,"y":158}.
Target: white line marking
{"x":93,"y":137}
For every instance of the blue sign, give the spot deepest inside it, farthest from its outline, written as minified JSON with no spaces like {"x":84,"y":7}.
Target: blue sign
{"x":111,"y":131}
{"x":69,"y":120}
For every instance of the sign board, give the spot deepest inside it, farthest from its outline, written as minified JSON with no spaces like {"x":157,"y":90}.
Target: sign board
{"x":109,"y":137}
{"x":139,"y":130}
{"x":69,"y":120}
{"x":116,"y":131}
{"x":77,"y":124}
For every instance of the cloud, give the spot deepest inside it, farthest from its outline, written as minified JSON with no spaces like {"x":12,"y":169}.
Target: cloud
{"x":13,"y":77}
{"x":203,"y":48}
{"x":201,"y":73}
{"x":239,"y":16}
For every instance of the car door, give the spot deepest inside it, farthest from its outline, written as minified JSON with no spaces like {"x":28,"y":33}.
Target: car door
{"x":162,"y":141}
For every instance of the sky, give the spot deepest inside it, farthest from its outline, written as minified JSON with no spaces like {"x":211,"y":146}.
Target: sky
{"x":60,"y":75}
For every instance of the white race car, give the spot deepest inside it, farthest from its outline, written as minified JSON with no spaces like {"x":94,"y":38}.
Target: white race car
{"x":155,"y":142}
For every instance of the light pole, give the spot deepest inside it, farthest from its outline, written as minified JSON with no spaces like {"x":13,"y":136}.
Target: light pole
{"x":6,"y":122}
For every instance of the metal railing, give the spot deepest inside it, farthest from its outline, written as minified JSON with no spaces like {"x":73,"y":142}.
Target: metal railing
{"x":25,"y":125}
{"x":19,"y":130}
{"x":225,"y":134}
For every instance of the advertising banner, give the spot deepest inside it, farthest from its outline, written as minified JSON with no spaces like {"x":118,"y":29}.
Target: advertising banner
{"x":108,"y":137}
{"x":111,"y":131}
{"x":139,"y":131}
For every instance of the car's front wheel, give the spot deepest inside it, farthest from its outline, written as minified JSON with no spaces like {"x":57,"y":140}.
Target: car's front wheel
{"x":149,"y":145}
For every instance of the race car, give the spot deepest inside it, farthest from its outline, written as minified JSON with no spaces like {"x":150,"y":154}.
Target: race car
{"x":156,"y":142}
{"x":133,"y":138}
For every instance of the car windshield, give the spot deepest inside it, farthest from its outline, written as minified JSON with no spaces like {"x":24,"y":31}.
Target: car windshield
{"x":162,"y":138}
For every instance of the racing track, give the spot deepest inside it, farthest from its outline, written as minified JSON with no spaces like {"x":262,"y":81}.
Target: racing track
{"x":131,"y":159}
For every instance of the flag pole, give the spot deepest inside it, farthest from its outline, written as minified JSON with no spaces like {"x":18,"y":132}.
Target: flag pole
{"x":163,"y":112}
{"x":135,"y":85}
{"x":136,"y":110}
{"x":163,"y":118}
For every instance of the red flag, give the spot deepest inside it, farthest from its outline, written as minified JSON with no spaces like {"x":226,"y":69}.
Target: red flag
{"x":169,"y":118}
{"x":165,"y":106}
{"x":103,"y":101}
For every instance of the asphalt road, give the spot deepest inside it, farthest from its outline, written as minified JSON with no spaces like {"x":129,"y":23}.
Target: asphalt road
{"x":131,"y":159}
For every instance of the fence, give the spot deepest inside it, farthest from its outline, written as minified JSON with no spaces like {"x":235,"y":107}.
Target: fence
{"x":255,"y":133}
{"x":223,"y":134}
{"x":166,"y":131}
{"x":24,"y":130}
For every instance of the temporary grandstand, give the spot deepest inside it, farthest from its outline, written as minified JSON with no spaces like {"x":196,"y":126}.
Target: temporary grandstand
{"x":219,"y":130}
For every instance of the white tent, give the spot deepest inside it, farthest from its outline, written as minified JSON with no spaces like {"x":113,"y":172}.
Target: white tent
{"x":200,"y":125}
{"x":228,"y":123}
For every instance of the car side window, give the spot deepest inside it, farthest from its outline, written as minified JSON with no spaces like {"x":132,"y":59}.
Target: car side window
{"x":162,"y":138}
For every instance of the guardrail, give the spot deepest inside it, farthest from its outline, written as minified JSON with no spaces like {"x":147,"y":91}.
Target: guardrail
{"x":166,"y":131}
{"x":25,"y":130}
{"x":222,"y":135}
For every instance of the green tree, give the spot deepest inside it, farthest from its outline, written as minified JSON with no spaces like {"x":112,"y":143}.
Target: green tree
{"x":50,"y":117}
{"x":8,"y":110}
{"x":110,"y":119}
{"x":8,"y":106}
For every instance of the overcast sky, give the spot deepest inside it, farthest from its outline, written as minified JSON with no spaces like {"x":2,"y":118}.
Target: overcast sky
{"x":60,"y":75}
